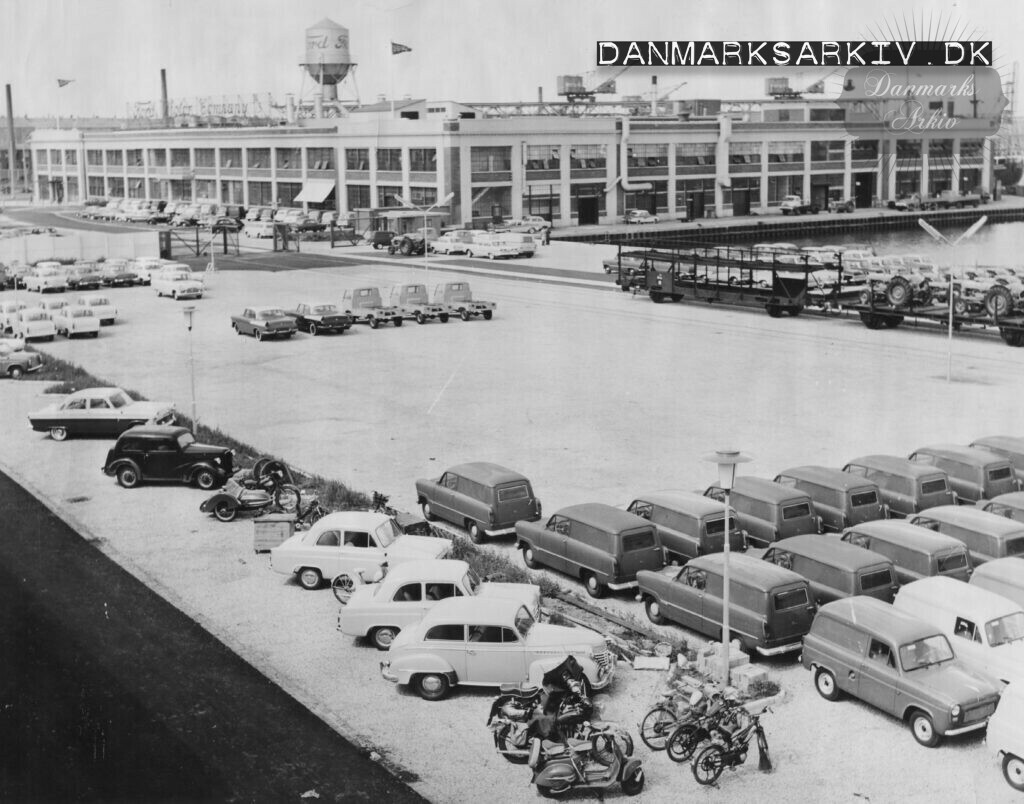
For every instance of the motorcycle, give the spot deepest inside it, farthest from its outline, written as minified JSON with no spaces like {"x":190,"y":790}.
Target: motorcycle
{"x":728,"y":748}
{"x":268,"y":486}
{"x":594,"y":764}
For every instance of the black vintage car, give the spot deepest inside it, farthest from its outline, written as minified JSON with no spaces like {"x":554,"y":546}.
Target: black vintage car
{"x":152,"y":452}
{"x":320,"y":317}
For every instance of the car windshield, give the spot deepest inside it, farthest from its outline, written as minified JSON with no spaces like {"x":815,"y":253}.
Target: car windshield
{"x":81,"y":312}
{"x":323,"y":309}
{"x":472,"y":582}
{"x":387,"y":532}
{"x":524,"y":621}
{"x":1004,"y":630}
{"x":925,"y":652}
{"x":185,"y":439}
{"x":266,"y":315}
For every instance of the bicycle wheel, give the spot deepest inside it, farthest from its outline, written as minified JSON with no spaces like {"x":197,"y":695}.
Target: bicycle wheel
{"x":656,"y":727}
{"x":682,"y":742}
{"x":707,"y":765}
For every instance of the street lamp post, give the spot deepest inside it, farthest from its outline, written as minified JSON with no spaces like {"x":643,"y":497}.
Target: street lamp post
{"x":726,"y":460}
{"x":189,"y":313}
{"x":426,"y":211}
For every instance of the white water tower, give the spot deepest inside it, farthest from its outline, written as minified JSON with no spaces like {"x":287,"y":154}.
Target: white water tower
{"x":327,"y":57}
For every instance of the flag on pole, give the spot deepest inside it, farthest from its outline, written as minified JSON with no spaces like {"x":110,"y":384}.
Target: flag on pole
{"x":397,"y":48}
{"x":63,"y":82}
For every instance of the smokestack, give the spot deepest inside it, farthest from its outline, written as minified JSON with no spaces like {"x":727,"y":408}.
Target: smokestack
{"x":163,"y":98}
{"x":654,"y":95}
{"x":10,"y":134}
{"x":540,"y":94}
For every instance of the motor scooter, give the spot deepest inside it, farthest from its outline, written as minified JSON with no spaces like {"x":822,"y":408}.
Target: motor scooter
{"x":594,"y":764}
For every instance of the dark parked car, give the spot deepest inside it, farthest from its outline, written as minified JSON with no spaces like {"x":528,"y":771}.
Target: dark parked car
{"x":153,"y":452}
{"x":226,"y":224}
{"x":320,"y":317}
{"x":84,"y":276}
{"x":379,"y":239}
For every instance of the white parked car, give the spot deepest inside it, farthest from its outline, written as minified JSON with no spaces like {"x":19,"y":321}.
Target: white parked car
{"x":381,"y":610}
{"x":46,"y":277}
{"x":527,"y":223}
{"x":52,"y":306}
{"x":490,"y":245}
{"x":258,"y":228}
{"x":1005,"y":734}
{"x":33,"y":323}
{"x":178,"y":283}
{"x":456,"y":241}
{"x":639,"y":216}
{"x":72,"y":320}
{"x":488,"y":643}
{"x":100,"y":306}
{"x":9,"y":309}
{"x":350,"y":543}
{"x":145,"y":267}
{"x":524,"y":244}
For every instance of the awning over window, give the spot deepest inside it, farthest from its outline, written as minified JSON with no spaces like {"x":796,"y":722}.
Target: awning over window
{"x":315,"y":191}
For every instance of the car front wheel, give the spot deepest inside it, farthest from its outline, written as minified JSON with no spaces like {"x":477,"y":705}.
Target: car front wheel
{"x":310,"y":578}
{"x":432,"y":686}
{"x":1013,"y":771}
{"x":205,"y":479}
{"x":654,"y":611}
{"x":59,"y":433}
{"x":128,"y":477}
{"x":923,"y":729}
{"x":595,"y":588}
{"x":826,"y":685}
{"x":15,"y":372}
{"x":383,"y":637}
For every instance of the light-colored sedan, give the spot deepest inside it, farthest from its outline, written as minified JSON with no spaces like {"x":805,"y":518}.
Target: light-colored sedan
{"x":100,"y":306}
{"x":639,"y":216}
{"x":98,"y":412}
{"x":352,"y":543}
{"x":380,"y":610}
{"x":73,"y":320}
{"x":177,"y":283}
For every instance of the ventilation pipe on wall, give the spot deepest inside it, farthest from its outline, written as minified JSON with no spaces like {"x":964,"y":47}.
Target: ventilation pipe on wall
{"x":623,"y":178}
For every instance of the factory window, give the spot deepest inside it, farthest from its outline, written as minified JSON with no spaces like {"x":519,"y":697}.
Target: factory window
{"x":695,"y":153}
{"x":744,"y":153}
{"x":827,"y":151}
{"x":133,"y":158}
{"x":157,"y":157}
{"x":289,"y":158}
{"x":865,"y":149}
{"x":423,"y":196}
{"x":54,"y":157}
{"x":792,"y":152}
{"x":941,"y":150}
{"x":319,"y":159}
{"x":908,"y":149}
{"x":116,"y":186}
{"x":588,"y":156}
{"x":258,"y":158}
{"x":115,"y":158}
{"x":357,"y":159}
{"x":205,"y":157}
{"x":358,"y":196}
{"x":542,"y":157}
{"x":972,"y":149}
{"x":491,"y":160}
{"x":136,"y":188}
{"x":695,"y":196}
{"x":96,"y":187}
{"x":543,"y":200}
{"x":230,"y":157}
{"x":781,"y":186}
{"x":389,"y":159}
{"x":647,"y":155}
{"x":180,"y":158}
{"x":423,"y":160}
{"x":286,"y":192}
{"x":827,"y":115}
{"x":231,"y":192}
{"x":41,"y":158}
{"x":71,"y":157}
{"x":386,"y":196}
{"x":260,"y":194}
{"x":206,"y":188}
{"x":94,"y":158}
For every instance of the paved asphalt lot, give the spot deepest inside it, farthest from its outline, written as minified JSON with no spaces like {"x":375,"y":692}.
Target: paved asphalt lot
{"x":596,"y":396}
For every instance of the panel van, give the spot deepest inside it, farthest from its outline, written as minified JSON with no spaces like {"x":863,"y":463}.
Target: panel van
{"x":906,"y":487}
{"x":1009,"y":447}
{"x":689,"y":525}
{"x":840,"y":499}
{"x":768,"y":511}
{"x":1009,"y":505}
{"x":986,"y":535}
{"x":770,"y":608}
{"x":986,"y":630}
{"x":915,"y":552}
{"x":974,"y":474}
{"x":835,"y":569}
{"x":1004,"y":576}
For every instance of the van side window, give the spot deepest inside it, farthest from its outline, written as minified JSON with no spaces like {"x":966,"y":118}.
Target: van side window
{"x":965,"y":629}
{"x":782,"y":558}
{"x":559,"y":524}
{"x":695,"y":578}
{"x":641,"y":508}
{"x":880,"y":652}
{"x":931,"y":524}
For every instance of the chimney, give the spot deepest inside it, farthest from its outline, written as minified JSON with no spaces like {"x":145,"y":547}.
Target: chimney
{"x":290,"y":101}
{"x":164,"y":110}
{"x":540,"y":94}
{"x":654,"y":95}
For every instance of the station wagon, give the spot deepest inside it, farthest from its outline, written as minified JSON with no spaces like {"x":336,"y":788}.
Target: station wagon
{"x":974,"y":474}
{"x":689,"y":525}
{"x":770,"y":608}
{"x":899,"y":664}
{"x":468,"y":641}
{"x":835,"y":569}
{"x":840,"y":499}
{"x":484,"y":498}
{"x":769,"y":511}
{"x":906,"y":487}
{"x":916,"y":552}
{"x":986,"y":535}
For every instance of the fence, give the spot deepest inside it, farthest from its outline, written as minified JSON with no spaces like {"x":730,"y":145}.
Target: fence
{"x":32,"y":248}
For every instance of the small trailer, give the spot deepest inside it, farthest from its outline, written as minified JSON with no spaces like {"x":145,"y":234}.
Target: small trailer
{"x":881,"y":315}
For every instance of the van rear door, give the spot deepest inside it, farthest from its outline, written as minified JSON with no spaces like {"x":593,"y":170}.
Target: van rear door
{"x":790,"y":612}
{"x":514,"y":501}
{"x":641,"y":550}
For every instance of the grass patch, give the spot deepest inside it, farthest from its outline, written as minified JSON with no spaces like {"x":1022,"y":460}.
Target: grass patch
{"x":485,"y":563}
{"x":764,"y":688}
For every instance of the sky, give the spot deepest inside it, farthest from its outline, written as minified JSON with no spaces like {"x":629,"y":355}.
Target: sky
{"x":465,"y":50}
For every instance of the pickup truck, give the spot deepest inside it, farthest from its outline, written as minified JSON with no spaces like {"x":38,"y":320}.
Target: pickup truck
{"x":947,"y":199}
{"x":367,"y":307}
{"x":413,"y":303}
{"x":458,"y":297}
{"x":794,"y":204}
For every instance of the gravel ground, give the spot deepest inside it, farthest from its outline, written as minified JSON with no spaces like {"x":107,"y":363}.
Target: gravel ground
{"x":631,"y":391}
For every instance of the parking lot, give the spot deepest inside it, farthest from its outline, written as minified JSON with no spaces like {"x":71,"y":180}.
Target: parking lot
{"x":595,"y":396}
